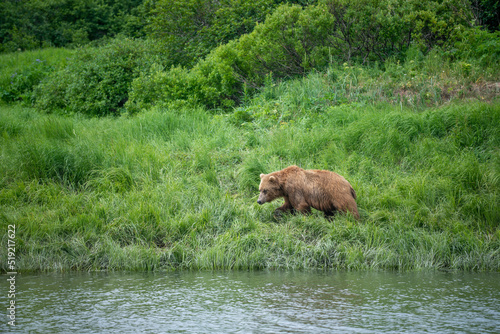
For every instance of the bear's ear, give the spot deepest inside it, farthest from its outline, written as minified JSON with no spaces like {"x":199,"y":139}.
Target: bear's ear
{"x":262,"y":175}
{"x":273,"y":179}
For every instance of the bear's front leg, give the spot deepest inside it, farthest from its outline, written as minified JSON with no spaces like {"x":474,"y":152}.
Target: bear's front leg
{"x":304,"y":208}
{"x":286,"y":207}
{"x":300,"y":204}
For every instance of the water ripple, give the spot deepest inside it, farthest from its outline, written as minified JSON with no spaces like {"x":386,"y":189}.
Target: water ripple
{"x":258,"y":302}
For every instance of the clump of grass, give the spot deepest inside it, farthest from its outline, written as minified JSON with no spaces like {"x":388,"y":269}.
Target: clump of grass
{"x":249,"y":173}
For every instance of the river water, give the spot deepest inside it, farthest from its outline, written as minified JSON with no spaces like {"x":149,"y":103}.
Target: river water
{"x":255,"y":302}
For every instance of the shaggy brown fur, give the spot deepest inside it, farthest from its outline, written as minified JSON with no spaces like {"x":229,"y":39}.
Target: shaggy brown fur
{"x":302,"y":189}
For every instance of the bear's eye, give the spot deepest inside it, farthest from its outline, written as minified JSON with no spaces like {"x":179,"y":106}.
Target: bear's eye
{"x":264,"y":192}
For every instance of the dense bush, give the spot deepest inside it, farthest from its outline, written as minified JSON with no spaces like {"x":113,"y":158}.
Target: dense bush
{"x":478,"y":44}
{"x":190,"y":29}
{"x":212,"y":83}
{"x":21,"y":72}
{"x":97,"y":80}
{"x":21,"y":83}
{"x":361,"y":29}
{"x":32,"y":24}
{"x":293,"y":40}
{"x":157,"y":85}
{"x":487,"y":13}
{"x":288,"y":43}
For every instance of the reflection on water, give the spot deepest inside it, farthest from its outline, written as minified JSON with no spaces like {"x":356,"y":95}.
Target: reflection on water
{"x":256,"y":302}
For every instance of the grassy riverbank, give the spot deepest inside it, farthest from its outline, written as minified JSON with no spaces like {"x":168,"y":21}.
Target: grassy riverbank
{"x":144,"y":152}
{"x":177,"y":189}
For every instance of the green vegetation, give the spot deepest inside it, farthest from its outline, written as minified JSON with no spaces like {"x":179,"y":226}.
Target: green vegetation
{"x":177,"y":189}
{"x":190,"y":29}
{"x":20,"y":72}
{"x":31,"y":24}
{"x":130,"y":75}
{"x":145,"y":153}
{"x":97,"y":80}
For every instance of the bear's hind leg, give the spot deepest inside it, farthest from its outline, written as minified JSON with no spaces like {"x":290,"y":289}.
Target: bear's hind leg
{"x":353,"y":208}
{"x":330,"y":214}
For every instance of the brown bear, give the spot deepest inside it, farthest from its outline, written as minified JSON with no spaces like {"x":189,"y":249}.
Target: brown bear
{"x":302,"y":189}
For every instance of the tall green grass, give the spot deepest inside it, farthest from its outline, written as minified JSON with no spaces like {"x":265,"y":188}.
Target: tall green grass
{"x":177,"y":189}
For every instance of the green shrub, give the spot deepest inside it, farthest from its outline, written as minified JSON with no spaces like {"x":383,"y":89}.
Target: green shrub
{"x":438,"y":23}
{"x":32,"y":24}
{"x":157,"y":85}
{"x":479,"y":45}
{"x":22,"y":82}
{"x":289,"y":43}
{"x":212,"y":82}
{"x":97,"y":81}
{"x":190,"y":29}
{"x":486,"y":14}
{"x":295,"y":40}
{"x":21,"y":72}
{"x":217,"y":83}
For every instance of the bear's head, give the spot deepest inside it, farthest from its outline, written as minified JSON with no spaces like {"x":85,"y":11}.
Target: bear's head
{"x":270,"y":188}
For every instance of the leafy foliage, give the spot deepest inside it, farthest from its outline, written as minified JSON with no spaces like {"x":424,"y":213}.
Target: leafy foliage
{"x":32,"y":24}
{"x":21,"y":72}
{"x":487,"y":13}
{"x":212,"y":82}
{"x":97,"y":80}
{"x":202,"y":54}
{"x":22,"y":81}
{"x":480,"y":45}
{"x":294,"y":40}
{"x":190,"y":29}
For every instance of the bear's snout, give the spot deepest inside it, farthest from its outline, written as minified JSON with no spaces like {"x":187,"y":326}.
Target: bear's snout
{"x":261,"y":199}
